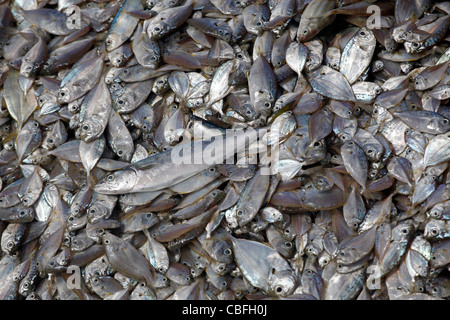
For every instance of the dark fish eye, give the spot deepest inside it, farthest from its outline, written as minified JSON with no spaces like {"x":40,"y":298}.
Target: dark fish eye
{"x":415,"y":44}
{"x":362,"y":33}
{"x":239,"y":56}
{"x":110,"y":177}
{"x":157,"y":29}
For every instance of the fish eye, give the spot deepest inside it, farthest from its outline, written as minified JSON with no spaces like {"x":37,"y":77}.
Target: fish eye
{"x":362,"y":33}
{"x":279,"y":289}
{"x":71,"y":219}
{"x":120,"y":152}
{"x":405,"y":231}
{"x":259,"y":24}
{"x":239,"y":56}
{"x":157,"y":29}
{"x":106,"y":241}
{"x":212,"y":169}
{"x":220,"y":32}
{"x":22,"y":212}
{"x":305,"y":31}
{"x":227,"y":251}
{"x":120,"y":101}
{"x":415,"y":44}
{"x":108,"y":42}
{"x":369,"y":151}
{"x":288,"y":245}
{"x":153,"y":58}
{"x":267,"y":105}
{"x":160,"y":81}
{"x":110,"y":177}
{"x":377,"y":91}
{"x":240,"y":212}
{"x":10,"y":244}
{"x":434,"y":231}
{"x":316,"y":144}
{"x":445,"y":121}
{"x":100,"y":231}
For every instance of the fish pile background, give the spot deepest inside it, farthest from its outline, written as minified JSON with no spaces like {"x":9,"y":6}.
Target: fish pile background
{"x":95,"y":94}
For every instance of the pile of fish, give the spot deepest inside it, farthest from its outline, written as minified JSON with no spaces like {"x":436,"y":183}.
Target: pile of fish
{"x":347,"y":198}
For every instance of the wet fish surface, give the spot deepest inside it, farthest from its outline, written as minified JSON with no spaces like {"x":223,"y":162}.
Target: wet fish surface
{"x":224,"y":150}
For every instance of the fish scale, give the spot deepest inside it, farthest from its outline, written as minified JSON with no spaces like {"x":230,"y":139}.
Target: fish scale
{"x":208,"y":149}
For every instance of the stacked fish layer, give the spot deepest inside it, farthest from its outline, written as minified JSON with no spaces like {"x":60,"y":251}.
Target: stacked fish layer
{"x":118,"y":180}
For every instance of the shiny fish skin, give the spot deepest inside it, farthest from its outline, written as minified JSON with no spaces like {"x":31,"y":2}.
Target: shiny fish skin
{"x":348,"y":187}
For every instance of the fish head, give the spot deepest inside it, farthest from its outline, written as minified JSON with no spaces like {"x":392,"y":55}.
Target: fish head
{"x":264,"y":104}
{"x":91,"y":129}
{"x":151,"y":61}
{"x":64,"y":95}
{"x":122,"y":181}
{"x":97,"y":212}
{"x":223,"y":32}
{"x":25,"y":214}
{"x":366,"y":36}
{"x":403,"y":230}
{"x":157,"y":30}
{"x":433,"y":228}
{"x":282,"y":284}
{"x":117,"y":60}
{"x":419,"y":83}
{"x":112,"y":41}
{"x":195,"y":103}
{"x":47,"y":67}
{"x":28,"y":69}
{"x":122,"y":104}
